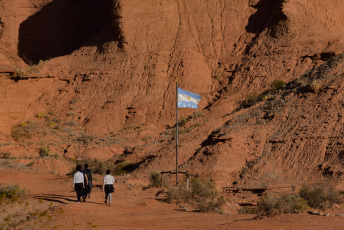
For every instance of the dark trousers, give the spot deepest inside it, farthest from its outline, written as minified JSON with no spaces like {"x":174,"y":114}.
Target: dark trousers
{"x":108,"y":195}
{"x":87,"y":189}
{"x":79,"y":189}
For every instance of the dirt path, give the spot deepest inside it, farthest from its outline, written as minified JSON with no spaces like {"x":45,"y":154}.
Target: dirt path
{"x":138,"y":209}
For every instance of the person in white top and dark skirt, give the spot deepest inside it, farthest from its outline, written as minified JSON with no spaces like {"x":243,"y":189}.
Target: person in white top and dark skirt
{"x":78,"y":182}
{"x":108,"y":186}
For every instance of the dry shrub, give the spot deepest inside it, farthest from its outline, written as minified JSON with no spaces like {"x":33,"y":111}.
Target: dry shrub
{"x":155,"y":179}
{"x":5,"y":155}
{"x":201,"y":195}
{"x":124,"y":167}
{"x":44,"y":151}
{"x":277,"y":85}
{"x":250,"y":100}
{"x":196,"y":115}
{"x":100,"y":167}
{"x":314,"y":86}
{"x":319,"y":196}
{"x":182,"y":121}
{"x":248,"y":210}
{"x":85,"y":138}
{"x":270,"y":204}
{"x":12,"y":193}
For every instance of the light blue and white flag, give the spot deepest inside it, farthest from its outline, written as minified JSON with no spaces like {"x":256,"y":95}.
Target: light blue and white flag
{"x":187,"y":99}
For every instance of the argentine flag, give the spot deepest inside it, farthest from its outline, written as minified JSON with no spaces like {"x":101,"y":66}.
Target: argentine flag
{"x":187,"y":99}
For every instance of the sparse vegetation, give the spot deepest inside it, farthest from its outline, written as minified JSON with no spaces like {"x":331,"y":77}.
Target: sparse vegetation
{"x":70,"y":123}
{"x":21,"y":131}
{"x":85,"y":138}
{"x":201,"y":195}
{"x":97,"y":166}
{"x":217,"y":76}
{"x":73,"y":101}
{"x":182,"y":121}
{"x":125,"y":167}
{"x":250,"y":100}
{"x":319,"y":196}
{"x":270,"y":204}
{"x":11,"y":193}
{"x":155,"y":179}
{"x":196,"y":115}
{"x":277,"y":85}
{"x":314,"y":86}
{"x":52,"y":124}
{"x":248,"y":210}
{"x":20,"y":73}
{"x":44,"y":151}
{"x":40,"y":115}
{"x":5,"y":155}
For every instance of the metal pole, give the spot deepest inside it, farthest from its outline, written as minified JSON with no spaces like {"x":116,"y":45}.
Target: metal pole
{"x":177,"y":132}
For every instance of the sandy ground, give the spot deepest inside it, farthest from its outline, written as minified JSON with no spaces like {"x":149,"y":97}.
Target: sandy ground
{"x":139,"y":209}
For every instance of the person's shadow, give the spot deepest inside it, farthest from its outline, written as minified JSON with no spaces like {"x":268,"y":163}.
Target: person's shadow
{"x":61,"y":199}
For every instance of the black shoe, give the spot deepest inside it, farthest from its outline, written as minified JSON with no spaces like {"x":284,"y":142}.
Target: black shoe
{"x":84,"y":199}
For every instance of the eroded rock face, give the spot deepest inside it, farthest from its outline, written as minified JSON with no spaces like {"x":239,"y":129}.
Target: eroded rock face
{"x":110,"y":65}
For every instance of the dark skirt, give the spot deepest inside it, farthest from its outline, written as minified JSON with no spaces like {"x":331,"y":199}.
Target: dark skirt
{"x":109,"y":188}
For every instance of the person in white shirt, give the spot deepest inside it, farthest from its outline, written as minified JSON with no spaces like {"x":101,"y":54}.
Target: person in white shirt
{"x":108,"y":186}
{"x":78,"y":182}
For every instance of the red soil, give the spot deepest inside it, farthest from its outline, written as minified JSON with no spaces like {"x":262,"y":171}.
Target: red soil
{"x":104,"y":77}
{"x":139,"y":209}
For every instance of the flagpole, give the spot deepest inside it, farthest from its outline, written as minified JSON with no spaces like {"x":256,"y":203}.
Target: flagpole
{"x":177,"y":132}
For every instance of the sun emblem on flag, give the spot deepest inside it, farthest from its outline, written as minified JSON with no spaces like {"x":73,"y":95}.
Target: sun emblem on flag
{"x":189,"y":98}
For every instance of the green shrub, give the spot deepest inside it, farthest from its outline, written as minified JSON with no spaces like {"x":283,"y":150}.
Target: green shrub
{"x":201,"y":195}
{"x":12,"y":193}
{"x":319,"y":196}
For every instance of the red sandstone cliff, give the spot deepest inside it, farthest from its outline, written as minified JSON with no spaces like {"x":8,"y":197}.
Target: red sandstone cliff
{"x":108,"y":68}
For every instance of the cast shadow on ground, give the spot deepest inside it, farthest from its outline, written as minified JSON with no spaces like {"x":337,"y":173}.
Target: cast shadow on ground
{"x":61,"y":199}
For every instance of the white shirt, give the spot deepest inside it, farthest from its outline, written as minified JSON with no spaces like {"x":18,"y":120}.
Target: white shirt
{"x":78,"y":177}
{"x":108,"y":179}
